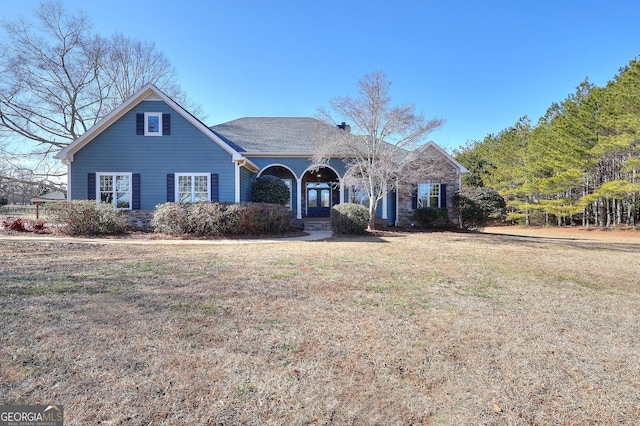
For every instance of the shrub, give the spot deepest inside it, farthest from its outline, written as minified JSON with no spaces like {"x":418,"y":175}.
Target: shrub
{"x":476,"y":206}
{"x":37,"y":226}
{"x":20,"y":224}
{"x":86,"y":217}
{"x":12,"y":223}
{"x":270,"y":189}
{"x":221,"y":219}
{"x":349,"y":218}
{"x":264,"y":218}
{"x":3,"y":201}
{"x":431,"y":216}
{"x":171,"y":218}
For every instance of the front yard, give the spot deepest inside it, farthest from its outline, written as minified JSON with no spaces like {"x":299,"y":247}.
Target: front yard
{"x":417,"y":328}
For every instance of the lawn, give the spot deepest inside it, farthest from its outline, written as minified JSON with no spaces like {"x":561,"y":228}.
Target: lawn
{"x":416,"y":328}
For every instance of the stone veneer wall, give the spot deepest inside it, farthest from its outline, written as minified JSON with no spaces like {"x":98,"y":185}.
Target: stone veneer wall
{"x":140,"y":220}
{"x":443,"y":172}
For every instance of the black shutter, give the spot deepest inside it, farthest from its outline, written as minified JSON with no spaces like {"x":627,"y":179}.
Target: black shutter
{"x":414,"y":199}
{"x":91,"y":186}
{"x":443,"y":195}
{"x":166,"y":124}
{"x":215,"y":192}
{"x":135,"y":191}
{"x":140,"y":124}
{"x":171,"y":188}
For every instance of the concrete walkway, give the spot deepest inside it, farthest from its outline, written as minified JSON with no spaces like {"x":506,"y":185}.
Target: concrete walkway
{"x":311,"y":236}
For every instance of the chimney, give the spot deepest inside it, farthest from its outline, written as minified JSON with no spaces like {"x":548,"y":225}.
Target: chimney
{"x":344,"y":126}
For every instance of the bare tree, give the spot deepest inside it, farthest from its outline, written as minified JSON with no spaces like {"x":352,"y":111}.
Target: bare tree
{"x":380,"y":144}
{"x":130,"y":64}
{"x":59,"y":78}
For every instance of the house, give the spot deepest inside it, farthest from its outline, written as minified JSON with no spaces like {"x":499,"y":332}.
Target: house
{"x":150,"y":150}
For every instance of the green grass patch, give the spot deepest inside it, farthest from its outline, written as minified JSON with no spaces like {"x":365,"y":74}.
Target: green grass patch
{"x":193,"y":309}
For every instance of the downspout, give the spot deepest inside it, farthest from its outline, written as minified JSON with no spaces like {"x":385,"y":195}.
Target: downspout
{"x":237,"y":182}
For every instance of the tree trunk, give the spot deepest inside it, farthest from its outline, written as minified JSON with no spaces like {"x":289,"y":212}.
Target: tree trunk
{"x":372,"y":216}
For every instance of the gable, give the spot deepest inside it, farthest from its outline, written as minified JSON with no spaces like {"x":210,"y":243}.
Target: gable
{"x":440,"y":154}
{"x":122,"y":145}
{"x":148,"y":95}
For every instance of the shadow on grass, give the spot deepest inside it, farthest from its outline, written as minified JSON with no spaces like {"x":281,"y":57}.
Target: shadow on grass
{"x":572,"y":242}
{"x":384,"y":234}
{"x":356,"y":238}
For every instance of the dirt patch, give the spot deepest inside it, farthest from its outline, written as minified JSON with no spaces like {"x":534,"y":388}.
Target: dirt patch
{"x":626,"y":235}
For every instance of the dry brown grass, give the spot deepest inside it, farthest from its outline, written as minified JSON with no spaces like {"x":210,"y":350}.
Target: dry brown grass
{"x":435,"y":328}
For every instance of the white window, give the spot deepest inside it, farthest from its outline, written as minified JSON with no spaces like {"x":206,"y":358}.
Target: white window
{"x":359,"y":196}
{"x":193,"y":187}
{"x":289,"y":184}
{"x":429,"y":195}
{"x":153,"y":124}
{"x":114,"y":188}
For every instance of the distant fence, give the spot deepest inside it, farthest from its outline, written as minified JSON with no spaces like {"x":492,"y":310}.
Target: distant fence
{"x":19,"y":210}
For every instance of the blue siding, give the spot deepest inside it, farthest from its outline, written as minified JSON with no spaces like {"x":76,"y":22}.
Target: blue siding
{"x":298,"y":164}
{"x":378,"y":214}
{"x":246,"y":177}
{"x":119,"y":149}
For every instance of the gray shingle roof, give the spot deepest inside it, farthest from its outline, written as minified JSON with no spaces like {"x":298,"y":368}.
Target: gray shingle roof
{"x":284,"y":135}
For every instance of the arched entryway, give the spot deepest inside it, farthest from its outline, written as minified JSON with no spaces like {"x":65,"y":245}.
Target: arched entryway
{"x":287,"y":176}
{"x":321,"y":190}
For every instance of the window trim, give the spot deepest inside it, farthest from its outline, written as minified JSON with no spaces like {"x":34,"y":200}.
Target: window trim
{"x":114,"y":175}
{"x":428,"y":195}
{"x":148,"y":115}
{"x":192,"y":175}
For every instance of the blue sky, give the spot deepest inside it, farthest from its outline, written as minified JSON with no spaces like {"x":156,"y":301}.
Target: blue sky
{"x":479,"y":65}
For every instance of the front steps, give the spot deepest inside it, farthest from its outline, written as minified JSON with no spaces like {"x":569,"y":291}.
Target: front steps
{"x":314,"y":223}
{"x":324,"y":223}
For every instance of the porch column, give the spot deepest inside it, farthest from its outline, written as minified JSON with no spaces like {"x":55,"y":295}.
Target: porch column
{"x":384,"y":202}
{"x":299,"y":198}
{"x":342,"y":191}
{"x":68,"y":163}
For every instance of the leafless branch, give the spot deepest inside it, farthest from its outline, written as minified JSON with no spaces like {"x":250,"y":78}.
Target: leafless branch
{"x":381,"y":145}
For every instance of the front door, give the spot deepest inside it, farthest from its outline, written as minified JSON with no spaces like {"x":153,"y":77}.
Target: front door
{"x":318,"y":199}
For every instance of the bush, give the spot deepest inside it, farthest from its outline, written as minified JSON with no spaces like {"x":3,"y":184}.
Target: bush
{"x":12,"y":223}
{"x":20,"y":224}
{"x":3,"y":201}
{"x":221,"y":219}
{"x":270,"y":189}
{"x":171,"y":218}
{"x":86,"y":217}
{"x":431,"y":216}
{"x":349,"y":218}
{"x":476,"y":206}
{"x":263,"y":218}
